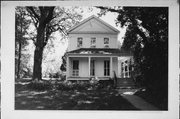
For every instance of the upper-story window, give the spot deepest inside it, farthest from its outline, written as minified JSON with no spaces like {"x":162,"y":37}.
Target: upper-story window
{"x":79,"y":42}
{"x":93,"y":42}
{"x":106,"y":42}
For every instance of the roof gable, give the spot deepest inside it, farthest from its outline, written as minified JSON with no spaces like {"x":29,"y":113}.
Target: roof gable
{"x":93,"y":25}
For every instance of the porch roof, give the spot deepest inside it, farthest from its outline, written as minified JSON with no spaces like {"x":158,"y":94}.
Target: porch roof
{"x":101,"y":51}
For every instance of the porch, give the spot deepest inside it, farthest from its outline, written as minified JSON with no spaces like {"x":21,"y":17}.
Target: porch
{"x":99,"y":63}
{"x":86,"y":67}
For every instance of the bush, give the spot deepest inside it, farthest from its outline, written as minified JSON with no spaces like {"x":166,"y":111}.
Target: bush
{"x":77,"y":85}
{"x":54,"y":75}
{"x":62,"y":77}
{"x":139,"y":80}
{"x":82,"y":85}
{"x":63,"y":86}
{"x":40,"y":85}
{"x":68,"y":85}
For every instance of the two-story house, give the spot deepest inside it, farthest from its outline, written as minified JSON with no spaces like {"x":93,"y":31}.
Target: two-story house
{"x":93,"y":52}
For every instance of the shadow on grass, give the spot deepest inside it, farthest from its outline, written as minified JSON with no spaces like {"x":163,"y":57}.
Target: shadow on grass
{"x":69,"y":100}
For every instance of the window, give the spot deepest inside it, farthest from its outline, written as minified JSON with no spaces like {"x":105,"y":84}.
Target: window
{"x":75,"y":68}
{"x":92,"y":66}
{"x":106,"y":68}
{"x":126,"y":69}
{"x":106,"y":42}
{"x":93,"y":42}
{"x":122,"y":69}
{"x":79,"y":42}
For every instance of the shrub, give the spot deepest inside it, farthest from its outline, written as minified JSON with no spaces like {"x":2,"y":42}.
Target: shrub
{"x":139,"y":80}
{"x":77,"y":85}
{"x":40,"y":85}
{"x":68,"y":85}
{"x":62,"y":77}
{"x":83,"y":85}
{"x":65,"y":85}
{"x":54,"y":75}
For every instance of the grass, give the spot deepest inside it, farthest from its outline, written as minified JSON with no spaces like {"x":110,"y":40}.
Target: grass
{"x":103,"y":99}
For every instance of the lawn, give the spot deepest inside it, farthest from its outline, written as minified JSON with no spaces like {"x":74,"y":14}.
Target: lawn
{"x":103,"y":99}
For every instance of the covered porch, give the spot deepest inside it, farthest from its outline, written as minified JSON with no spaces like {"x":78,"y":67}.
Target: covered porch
{"x":85,"y":67}
{"x":101,"y":63}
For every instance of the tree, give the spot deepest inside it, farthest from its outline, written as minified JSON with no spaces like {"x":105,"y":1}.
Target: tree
{"x":63,"y":65}
{"x":41,"y":21}
{"x":21,"y":27}
{"x":147,"y":37}
{"x":48,"y":20}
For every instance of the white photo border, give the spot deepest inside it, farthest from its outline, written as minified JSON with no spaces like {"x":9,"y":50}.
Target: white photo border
{"x":8,"y":68}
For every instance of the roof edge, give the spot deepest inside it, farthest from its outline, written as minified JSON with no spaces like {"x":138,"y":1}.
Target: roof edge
{"x":89,"y":18}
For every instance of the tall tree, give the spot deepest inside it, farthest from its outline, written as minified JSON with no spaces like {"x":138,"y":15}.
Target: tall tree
{"x":147,"y":37}
{"x":42,"y":17}
{"x":21,"y":27}
{"x":48,"y":20}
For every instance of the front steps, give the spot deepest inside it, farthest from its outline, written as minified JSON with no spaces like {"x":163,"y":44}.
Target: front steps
{"x":125,"y":83}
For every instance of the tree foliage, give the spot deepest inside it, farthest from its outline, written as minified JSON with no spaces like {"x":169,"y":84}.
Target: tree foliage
{"x":48,"y":20}
{"x":21,"y":41}
{"x":147,"y":37}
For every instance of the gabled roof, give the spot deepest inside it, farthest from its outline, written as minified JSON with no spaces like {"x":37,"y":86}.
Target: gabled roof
{"x":97,"y":19}
{"x":103,"y":51}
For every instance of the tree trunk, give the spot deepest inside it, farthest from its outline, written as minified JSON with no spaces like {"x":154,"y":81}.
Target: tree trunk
{"x":37,"y":75}
{"x":19,"y":50}
{"x":38,"y":53}
{"x":45,"y":17}
{"x":19,"y":60}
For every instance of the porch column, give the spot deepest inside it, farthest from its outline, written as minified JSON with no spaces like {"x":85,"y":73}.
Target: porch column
{"x":111,"y":67}
{"x":67,"y":68}
{"x":89,"y":66}
{"x":120,"y":68}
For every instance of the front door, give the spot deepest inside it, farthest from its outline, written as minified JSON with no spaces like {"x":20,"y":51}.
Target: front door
{"x":92,"y":68}
{"x":106,"y":67}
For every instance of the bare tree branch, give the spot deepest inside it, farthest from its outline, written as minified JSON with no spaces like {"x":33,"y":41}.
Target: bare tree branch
{"x":35,"y":22}
{"x":34,"y":41}
{"x":31,"y":9}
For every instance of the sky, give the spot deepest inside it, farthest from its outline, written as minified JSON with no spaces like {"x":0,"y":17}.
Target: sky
{"x":53,"y":59}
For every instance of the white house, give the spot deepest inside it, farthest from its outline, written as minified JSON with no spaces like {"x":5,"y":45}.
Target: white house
{"x":93,"y":52}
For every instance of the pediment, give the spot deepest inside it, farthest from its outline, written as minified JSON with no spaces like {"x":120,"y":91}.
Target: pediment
{"x":93,"y":25}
